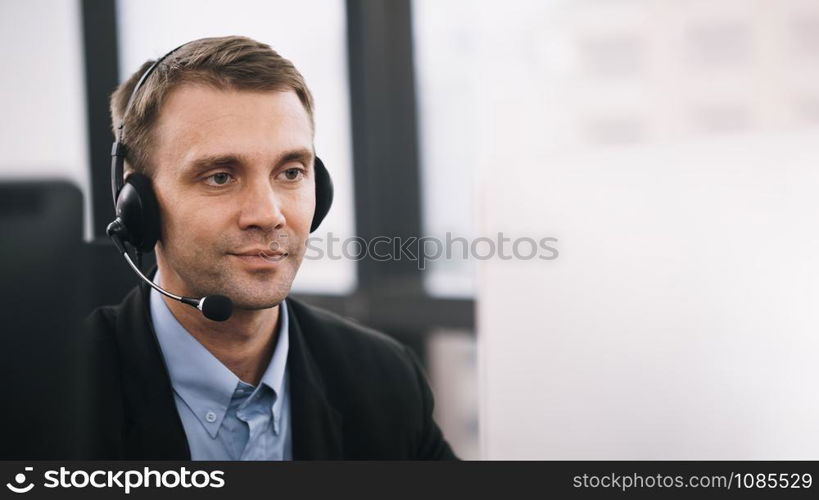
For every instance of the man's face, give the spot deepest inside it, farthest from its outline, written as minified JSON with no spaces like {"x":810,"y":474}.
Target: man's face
{"x":233,"y":173}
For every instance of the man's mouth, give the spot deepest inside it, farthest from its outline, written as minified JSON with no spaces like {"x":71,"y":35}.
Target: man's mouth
{"x":264,"y":254}
{"x":273,"y":257}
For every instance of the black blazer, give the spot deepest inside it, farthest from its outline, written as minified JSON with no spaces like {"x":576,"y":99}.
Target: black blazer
{"x":354,"y":392}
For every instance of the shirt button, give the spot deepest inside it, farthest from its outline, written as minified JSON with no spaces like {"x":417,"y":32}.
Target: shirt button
{"x":210,"y":417}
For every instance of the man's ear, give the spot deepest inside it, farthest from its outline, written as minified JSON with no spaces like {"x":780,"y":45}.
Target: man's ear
{"x":126,"y":171}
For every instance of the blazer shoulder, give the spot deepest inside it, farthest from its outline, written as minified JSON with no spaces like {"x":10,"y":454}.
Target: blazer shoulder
{"x":328,"y":330}
{"x":108,"y":318}
{"x":376,"y":381}
{"x":353,"y":357}
{"x":100,"y":320}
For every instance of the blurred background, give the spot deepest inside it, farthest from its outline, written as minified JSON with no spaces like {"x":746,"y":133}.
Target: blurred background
{"x":668,"y":146}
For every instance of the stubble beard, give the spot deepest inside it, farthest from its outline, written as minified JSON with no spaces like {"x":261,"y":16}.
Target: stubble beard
{"x":209,"y":271}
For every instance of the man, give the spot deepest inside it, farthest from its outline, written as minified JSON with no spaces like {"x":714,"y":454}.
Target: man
{"x":223,"y":128}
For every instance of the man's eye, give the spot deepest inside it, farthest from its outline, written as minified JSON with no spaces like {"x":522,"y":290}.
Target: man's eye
{"x":219,"y":179}
{"x":293,"y":174}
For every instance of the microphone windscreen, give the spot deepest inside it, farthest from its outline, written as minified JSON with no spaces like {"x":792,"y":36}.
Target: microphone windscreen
{"x":217,"y":307}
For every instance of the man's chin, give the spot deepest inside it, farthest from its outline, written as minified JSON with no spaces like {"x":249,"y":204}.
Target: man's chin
{"x":253,"y":290}
{"x":243,"y":305}
{"x":246,"y":298}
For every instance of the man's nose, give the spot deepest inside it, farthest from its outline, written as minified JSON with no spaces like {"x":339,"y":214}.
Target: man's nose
{"x":261,"y":208}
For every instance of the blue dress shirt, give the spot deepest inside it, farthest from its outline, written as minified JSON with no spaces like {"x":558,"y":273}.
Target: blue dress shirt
{"x":225,"y":418}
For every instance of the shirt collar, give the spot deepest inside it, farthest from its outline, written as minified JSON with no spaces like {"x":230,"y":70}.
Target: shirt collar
{"x":199,"y":378}
{"x":274,"y":375}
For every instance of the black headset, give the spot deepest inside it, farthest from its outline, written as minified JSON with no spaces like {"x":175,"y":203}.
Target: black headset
{"x":137,"y":211}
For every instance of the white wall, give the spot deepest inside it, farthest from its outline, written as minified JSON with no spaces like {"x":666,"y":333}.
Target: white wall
{"x":42,"y":94}
{"x":679,"y":320}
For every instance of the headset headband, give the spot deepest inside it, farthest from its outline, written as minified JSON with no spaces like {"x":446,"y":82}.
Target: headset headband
{"x":118,"y":149}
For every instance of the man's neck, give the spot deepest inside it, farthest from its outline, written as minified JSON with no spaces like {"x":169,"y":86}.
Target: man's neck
{"x":244,"y":343}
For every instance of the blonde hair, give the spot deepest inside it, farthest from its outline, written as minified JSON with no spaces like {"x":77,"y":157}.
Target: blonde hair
{"x":232,"y":62}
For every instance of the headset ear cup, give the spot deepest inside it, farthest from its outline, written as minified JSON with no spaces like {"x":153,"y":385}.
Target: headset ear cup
{"x":324,"y":194}
{"x":138,"y":210}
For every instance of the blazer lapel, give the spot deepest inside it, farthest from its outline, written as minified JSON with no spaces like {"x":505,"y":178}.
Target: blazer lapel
{"x":316,"y":424}
{"x":153,"y":429}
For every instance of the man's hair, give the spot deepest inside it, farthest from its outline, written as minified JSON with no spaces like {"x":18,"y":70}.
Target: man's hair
{"x":225,"y":63}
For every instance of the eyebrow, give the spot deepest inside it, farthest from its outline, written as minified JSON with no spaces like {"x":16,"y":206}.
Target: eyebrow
{"x":302,"y":154}
{"x":226,"y":160}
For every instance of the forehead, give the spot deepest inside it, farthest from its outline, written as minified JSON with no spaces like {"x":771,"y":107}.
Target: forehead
{"x":198,"y":119}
